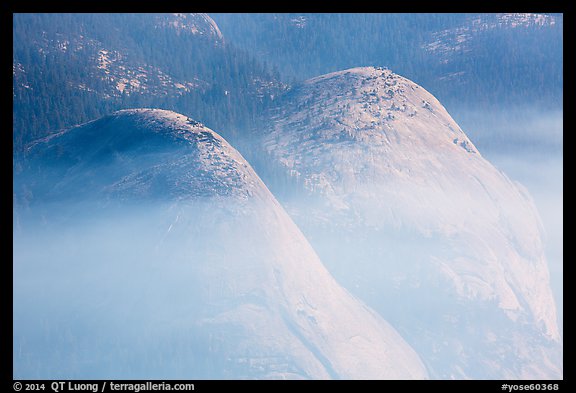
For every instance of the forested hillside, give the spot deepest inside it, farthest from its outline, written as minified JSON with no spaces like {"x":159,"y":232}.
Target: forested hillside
{"x":70,"y":68}
{"x":491,"y":71}
{"x":497,"y":74}
{"x":444,"y":52}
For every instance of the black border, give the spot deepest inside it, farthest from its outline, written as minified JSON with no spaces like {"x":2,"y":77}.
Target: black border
{"x":8,"y":8}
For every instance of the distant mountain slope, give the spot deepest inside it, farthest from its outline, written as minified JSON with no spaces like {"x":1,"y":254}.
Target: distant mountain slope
{"x":480,"y":51}
{"x":408,"y":215}
{"x":498,"y":74}
{"x":71,"y":68}
{"x":145,"y":246}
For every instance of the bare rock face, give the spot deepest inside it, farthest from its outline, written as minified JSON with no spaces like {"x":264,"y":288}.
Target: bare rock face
{"x":191,"y":23}
{"x":145,"y":246}
{"x":408,"y":215}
